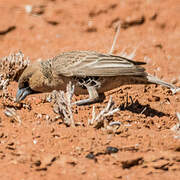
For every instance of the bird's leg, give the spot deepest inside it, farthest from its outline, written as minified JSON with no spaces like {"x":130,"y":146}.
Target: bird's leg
{"x":93,"y":97}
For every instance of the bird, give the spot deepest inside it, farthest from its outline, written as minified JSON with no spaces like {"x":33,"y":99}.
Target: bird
{"x":90,"y":72}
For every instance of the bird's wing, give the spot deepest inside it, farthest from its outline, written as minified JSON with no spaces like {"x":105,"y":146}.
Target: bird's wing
{"x":96,"y":64}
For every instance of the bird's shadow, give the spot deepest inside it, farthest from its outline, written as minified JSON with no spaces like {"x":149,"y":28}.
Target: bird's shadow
{"x":138,"y":108}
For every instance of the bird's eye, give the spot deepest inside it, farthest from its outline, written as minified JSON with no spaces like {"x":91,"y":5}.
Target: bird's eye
{"x":26,"y":84}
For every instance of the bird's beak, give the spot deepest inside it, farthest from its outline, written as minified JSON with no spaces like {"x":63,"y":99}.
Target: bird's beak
{"x":22,"y":93}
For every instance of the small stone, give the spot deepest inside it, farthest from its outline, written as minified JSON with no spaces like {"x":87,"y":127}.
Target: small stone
{"x":154,"y":99}
{"x":91,"y":27}
{"x":28,"y":8}
{"x":110,"y":150}
{"x":90,"y":155}
{"x":37,"y":163}
{"x":132,"y":162}
{"x":174,"y":80}
{"x":34,"y":141}
{"x":38,"y":10}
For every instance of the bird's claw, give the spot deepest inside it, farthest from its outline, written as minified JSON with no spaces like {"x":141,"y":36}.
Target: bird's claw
{"x":85,"y":102}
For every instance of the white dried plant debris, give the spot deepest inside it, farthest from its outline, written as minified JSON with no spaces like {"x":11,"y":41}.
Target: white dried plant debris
{"x":48,"y":98}
{"x":6,"y":97}
{"x":123,"y":52}
{"x":147,"y":59}
{"x":101,"y":119}
{"x":176,"y":127}
{"x":126,"y":55}
{"x":115,"y":39}
{"x":63,"y":104}
{"x":43,"y":116}
{"x":174,"y":91}
{"x":3,"y":82}
{"x":11,"y":112}
{"x":11,"y":68}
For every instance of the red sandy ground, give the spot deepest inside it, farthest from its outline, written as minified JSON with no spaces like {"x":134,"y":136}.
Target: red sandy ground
{"x":40,"y":148}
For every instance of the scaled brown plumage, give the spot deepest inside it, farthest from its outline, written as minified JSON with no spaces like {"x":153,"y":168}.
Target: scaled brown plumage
{"x":89,"y":71}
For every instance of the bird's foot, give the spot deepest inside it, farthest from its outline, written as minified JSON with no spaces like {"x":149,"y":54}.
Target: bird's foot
{"x":86,"y":102}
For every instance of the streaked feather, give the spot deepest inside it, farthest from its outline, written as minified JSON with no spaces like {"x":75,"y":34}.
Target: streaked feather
{"x":88,"y":63}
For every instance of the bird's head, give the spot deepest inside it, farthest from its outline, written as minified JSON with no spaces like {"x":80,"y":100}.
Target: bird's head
{"x":31,"y":81}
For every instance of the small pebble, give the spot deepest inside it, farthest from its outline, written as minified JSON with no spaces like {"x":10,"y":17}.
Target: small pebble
{"x":90,"y":155}
{"x":28,"y":8}
{"x":110,"y":150}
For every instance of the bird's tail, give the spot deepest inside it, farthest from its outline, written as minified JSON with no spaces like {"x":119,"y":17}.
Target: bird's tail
{"x":155,"y":80}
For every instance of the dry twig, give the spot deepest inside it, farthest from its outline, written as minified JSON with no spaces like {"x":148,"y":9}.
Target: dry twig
{"x":101,"y":118}
{"x":11,"y":68}
{"x":176,"y":127}
{"x":63,"y":104}
{"x":115,"y":39}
